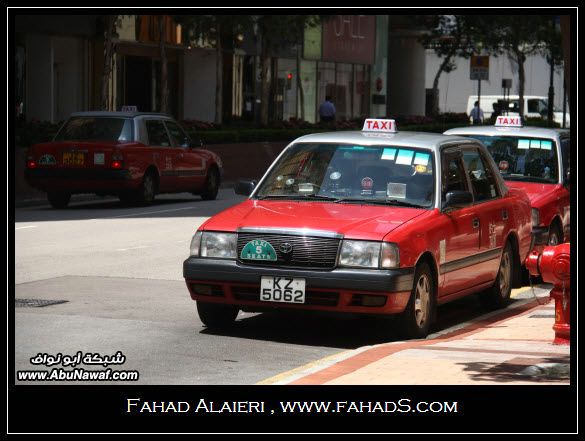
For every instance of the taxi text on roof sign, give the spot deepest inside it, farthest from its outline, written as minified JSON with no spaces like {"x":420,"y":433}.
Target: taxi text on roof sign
{"x":379,"y":125}
{"x":508,"y":121}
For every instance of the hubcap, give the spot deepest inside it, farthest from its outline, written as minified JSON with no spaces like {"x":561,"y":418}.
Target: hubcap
{"x":422,"y":297}
{"x":505,"y":273}
{"x":148,"y":187}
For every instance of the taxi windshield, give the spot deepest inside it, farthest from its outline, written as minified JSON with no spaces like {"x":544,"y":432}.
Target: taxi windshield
{"x":523,"y":159}
{"x":342,"y":173}
{"x":96,"y":129}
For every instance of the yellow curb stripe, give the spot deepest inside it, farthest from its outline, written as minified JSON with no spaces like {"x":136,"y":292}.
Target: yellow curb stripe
{"x":517,"y":291}
{"x":305,"y":367}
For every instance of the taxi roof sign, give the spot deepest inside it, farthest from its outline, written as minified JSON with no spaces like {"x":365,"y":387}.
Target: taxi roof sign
{"x":508,"y":121}
{"x":379,"y":125}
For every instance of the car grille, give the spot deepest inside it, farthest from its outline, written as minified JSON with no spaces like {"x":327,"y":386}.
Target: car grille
{"x":307,"y":251}
{"x":320,"y":298}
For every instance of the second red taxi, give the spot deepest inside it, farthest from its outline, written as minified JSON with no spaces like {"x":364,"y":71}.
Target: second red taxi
{"x":374,"y":221}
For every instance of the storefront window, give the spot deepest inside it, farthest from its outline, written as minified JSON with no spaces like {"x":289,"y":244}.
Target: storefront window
{"x":309,"y":88}
{"x":361,"y":89}
{"x":343,"y":88}
{"x":326,"y":82}
{"x":286,"y":89}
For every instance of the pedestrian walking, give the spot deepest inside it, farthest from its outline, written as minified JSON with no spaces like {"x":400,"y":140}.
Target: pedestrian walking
{"x":327,"y":110}
{"x":476,"y":114}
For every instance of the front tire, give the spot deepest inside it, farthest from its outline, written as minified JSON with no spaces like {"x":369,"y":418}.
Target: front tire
{"x":415,"y":320}
{"x":555,"y":236}
{"x":211,"y":187}
{"x":59,"y":199}
{"x":216,"y":315}
{"x":498,"y":295}
{"x":147,"y":190}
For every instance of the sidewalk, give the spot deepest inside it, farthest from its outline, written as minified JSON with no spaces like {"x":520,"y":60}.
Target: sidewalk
{"x":511,"y":346}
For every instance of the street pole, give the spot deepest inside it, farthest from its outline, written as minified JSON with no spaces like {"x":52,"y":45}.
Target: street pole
{"x":551,"y":91}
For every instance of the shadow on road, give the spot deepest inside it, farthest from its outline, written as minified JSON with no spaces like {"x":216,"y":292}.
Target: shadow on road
{"x":339,"y":331}
{"x":179,"y":205}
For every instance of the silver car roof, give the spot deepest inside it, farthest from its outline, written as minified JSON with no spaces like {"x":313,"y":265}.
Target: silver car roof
{"x":121,"y":114}
{"x":538,"y":132}
{"x":431,"y":141}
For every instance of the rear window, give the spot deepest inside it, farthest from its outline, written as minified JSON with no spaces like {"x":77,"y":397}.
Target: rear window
{"x":96,"y":129}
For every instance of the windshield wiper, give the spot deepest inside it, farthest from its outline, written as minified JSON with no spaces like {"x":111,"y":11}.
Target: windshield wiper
{"x":314,"y":197}
{"x":380,"y":202}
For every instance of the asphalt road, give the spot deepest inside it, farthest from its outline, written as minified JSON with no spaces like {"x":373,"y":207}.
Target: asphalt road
{"x":118,"y":272}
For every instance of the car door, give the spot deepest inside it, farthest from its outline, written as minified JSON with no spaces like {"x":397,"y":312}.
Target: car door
{"x":460,"y":242}
{"x":190,"y":165}
{"x":168,"y":157}
{"x":492,"y":211}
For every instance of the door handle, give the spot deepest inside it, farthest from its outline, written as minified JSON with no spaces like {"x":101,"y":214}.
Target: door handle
{"x":475,"y":223}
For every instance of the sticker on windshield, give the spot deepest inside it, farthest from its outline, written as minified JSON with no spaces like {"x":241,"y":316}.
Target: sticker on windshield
{"x":335,"y":176}
{"x":290,"y":181}
{"x":389,"y":154}
{"x":534,"y":143}
{"x":546,"y":145}
{"x":306,"y":188}
{"x":396,"y":190}
{"x":421,"y":158}
{"x":258,"y":250}
{"x":405,"y":157}
{"x":524,"y":144}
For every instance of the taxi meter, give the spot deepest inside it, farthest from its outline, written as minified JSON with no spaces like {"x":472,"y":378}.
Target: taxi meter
{"x":508,"y":121}
{"x":379,"y":125}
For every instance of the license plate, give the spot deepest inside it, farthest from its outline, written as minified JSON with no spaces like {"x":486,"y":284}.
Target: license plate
{"x":73,"y":158}
{"x":282,"y":289}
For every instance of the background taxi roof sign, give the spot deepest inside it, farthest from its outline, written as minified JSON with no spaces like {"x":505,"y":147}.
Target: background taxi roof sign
{"x":379,"y":125}
{"x":508,"y":121}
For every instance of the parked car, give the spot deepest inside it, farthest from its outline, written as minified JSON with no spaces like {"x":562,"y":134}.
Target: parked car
{"x":373,"y":221}
{"x":133,"y":155}
{"x":536,"y":160}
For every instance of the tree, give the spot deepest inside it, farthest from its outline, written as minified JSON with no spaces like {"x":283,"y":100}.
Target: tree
{"x":110,"y":24}
{"x":279,"y":31}
{"x":211,"y":30}
{"x":516,"y":36}
{"x":450,"y":36}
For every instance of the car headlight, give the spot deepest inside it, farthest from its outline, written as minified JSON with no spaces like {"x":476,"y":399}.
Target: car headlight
{"x":215,"y":245}
{"x":535,"y":217}
{"x":364,"y":254}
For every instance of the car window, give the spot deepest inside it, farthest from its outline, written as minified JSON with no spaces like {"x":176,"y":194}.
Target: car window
{"x":482,"y":181}
{"x":566,"y":153}
{"x":353,"y":173}
{"x":178,"y":137}
{"x":523,"y":158}
{"x":157,"y":134}
{"x":86,"y":128}
{"x":453,"y":174}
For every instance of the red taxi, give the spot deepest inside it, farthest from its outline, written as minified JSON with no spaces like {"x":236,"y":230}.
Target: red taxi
{"x":374,"y":222}
{"x":535,"y":160}
{"x":133,"y":155}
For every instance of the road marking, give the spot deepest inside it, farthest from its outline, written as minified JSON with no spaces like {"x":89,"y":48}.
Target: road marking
{"x":317,"y":364}
{"x":134,"y":248}
{"x":22,"y":228}
{"x":149,"y":212}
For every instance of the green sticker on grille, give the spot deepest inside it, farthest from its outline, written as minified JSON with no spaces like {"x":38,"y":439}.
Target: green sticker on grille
{"x":258,"y":250}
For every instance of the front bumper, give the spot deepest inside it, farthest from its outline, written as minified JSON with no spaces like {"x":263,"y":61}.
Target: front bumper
{"x":341,"y":290}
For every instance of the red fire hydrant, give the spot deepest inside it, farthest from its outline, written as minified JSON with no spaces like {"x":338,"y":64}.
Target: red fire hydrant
{"x":554,"y":265}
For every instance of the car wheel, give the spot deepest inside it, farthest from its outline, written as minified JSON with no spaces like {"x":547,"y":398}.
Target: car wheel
{"x":415,"y":320}
{"x":554,"y":235}
{"x":216,"y":315}
{"x":498,"y":295}
{"x":58,"y":199}
{"x":147,"y":190}
{"x":211,"y":187}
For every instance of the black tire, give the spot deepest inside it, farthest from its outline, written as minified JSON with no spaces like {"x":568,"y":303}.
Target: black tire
{"x":555,"y":235}
{"x":498,"y":295}
{"x":59,"y":199}
{"x":147,"y":190}
{"x":211,"y":187}
{"x":216,"y":315}
{"x":415,"y":321}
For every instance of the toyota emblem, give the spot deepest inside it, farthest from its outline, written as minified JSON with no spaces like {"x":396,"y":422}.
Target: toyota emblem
{"x":285,"y":248}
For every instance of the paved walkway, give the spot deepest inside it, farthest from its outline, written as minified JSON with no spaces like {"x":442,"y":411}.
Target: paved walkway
{"x":511,"y":346}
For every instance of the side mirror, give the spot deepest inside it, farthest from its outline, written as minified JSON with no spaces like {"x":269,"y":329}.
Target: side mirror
{"x":458,"y":199}
{"x":245,"y":188}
